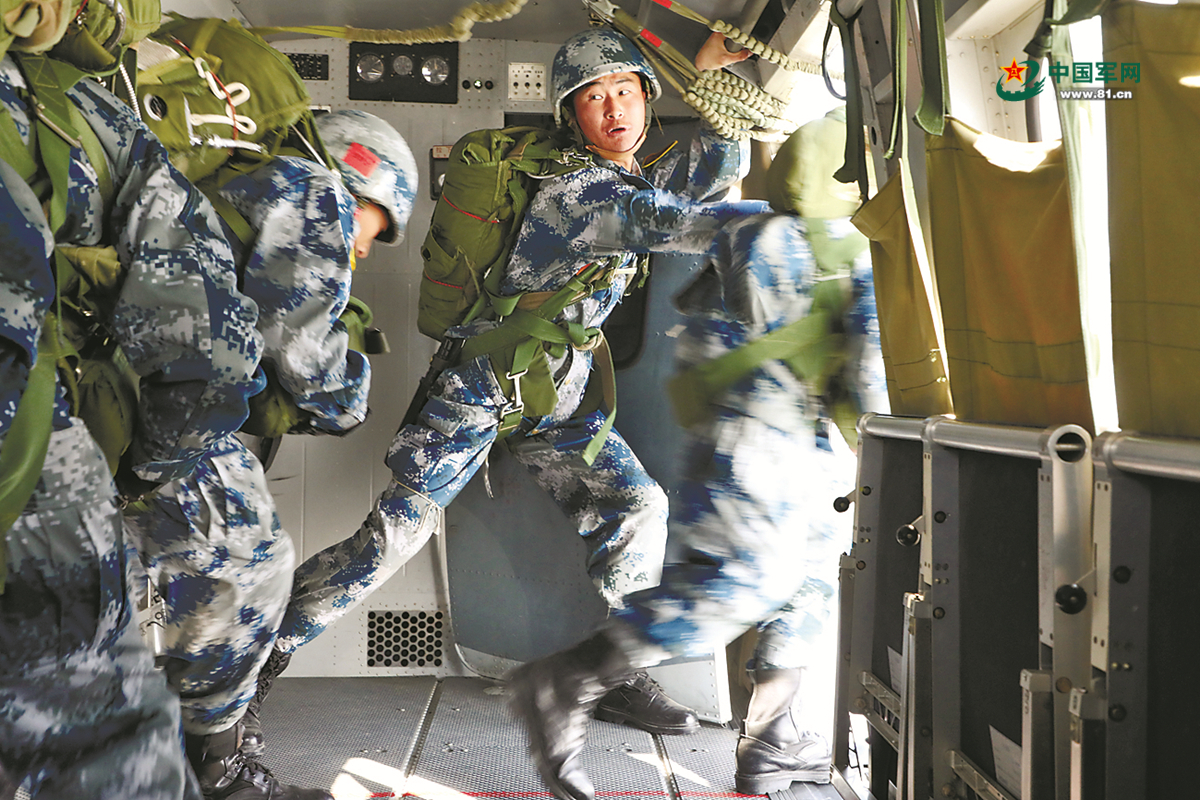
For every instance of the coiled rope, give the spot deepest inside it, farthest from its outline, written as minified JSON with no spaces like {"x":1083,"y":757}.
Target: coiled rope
{"x":457,"y":30}
{"x":734,"y":107}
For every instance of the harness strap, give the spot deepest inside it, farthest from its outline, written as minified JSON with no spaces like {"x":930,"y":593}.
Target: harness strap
{"x":527,"y":333}
{"x":59,"y":126}
{"x":807,"y":346}
{"x":25,"y":446}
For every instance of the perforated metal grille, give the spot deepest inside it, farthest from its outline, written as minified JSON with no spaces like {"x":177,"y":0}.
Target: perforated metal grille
{"x":404,"y":638}
{"x":310,"y":66}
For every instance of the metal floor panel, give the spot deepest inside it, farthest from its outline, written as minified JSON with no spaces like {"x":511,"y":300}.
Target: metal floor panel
{"x":454,"y":740}
{"x":475,"y":748}
{"x":353,"y":735}
{"x":703,"y":763}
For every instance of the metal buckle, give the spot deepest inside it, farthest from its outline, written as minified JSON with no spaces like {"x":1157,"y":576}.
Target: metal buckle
{"x":516,"y":404}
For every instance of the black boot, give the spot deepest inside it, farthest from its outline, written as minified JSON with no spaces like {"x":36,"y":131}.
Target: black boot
{"x":772,"y":752}
{"x":640,"y":702}
{"x":554,"y":697}
{"x":225,"y":774}
{"x":252,"y":735}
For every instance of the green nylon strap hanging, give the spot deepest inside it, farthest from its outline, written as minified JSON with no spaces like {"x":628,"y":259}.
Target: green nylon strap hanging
{"x":899,"y":74}
{"x":13,"y":148}
{"x":24,"y":449}
{"x":935,"y":99}
{"x":854,"y":170}
{"x":807,"y":346}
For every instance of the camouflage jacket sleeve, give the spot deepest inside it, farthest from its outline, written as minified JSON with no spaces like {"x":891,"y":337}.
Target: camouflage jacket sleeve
{"x":298,"y":268}
{"x":597,"y":212}
{"x":709,"y":165}
{"x":26,"y":291}
{"x":179,"y":317}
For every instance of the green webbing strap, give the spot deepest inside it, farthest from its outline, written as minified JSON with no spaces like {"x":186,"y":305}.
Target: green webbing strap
{"x":525,"y":331}
{"x":49,"y":81}
{"x":854,"y":170}
{"x":232,"y":217}
{"x":24,"y":450}
{"x":13,"y":148}
{"x":509,"y":334}
{"x":805,"y":345}
{"x":935,"y":100}
{"x":833,"y":256}
{"x":59,"y":126}
{"x":899,"y":73}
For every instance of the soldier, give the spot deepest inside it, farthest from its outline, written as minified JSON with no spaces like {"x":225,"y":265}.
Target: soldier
{"x":610,"y":208}
{"x":756,"y":525}
{"x":83,"y":712}
{"x":213,"y":539}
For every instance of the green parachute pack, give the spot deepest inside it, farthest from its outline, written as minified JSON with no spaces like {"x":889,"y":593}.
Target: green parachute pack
{"x":224,"y":102}
{"x":490,"y":178}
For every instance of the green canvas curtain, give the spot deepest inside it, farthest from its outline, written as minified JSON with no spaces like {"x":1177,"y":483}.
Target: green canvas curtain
{"x":912,"y":356}
{"x":1154,"y":233}
{"x":1006,"y":274}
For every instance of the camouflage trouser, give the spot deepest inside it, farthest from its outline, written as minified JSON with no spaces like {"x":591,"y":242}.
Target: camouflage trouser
{"x":615,"y":505}
{"x":83,"y":712}
{"x":760,"y":543}
{"x":213,"y":545}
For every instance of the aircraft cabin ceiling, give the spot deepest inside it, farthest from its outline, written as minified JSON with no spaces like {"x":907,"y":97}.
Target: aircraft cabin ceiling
{"x":544,"y":20}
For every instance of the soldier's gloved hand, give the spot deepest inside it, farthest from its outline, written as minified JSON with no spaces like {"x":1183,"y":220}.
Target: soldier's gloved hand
{"x":131,"y":488}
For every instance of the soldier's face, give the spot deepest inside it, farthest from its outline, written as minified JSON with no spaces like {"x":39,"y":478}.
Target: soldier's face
{"x":372,"y":221}
{"x":611,"y":113}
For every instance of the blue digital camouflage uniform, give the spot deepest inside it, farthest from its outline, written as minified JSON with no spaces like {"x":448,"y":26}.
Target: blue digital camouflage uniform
{"x":760,"y":538}
{"x":213,"y":538}
{"x":593,"y":213}
{"x":83,"y":712}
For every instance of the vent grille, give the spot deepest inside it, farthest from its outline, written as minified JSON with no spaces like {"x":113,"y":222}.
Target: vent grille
{"x":310,"y":66}
{"x":404,"y":638}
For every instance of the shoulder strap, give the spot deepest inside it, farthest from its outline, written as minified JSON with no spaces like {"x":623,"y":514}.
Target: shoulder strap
{"x":25,"y":446}
{"x":48,"y":81}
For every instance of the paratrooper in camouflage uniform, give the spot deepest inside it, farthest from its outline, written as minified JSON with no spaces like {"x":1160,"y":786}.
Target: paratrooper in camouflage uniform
{"x":602,"y":210}
{"x":760,"y":540}
{"x":83,"y":712}
{"x":213,"y":539}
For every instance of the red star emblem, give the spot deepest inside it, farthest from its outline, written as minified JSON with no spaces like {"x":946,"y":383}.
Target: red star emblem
{"x":1014,"y":71}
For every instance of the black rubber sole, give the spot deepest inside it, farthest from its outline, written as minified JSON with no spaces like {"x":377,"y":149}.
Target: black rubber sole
{"x":622,"y":718}
{"x":777,"y":781}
